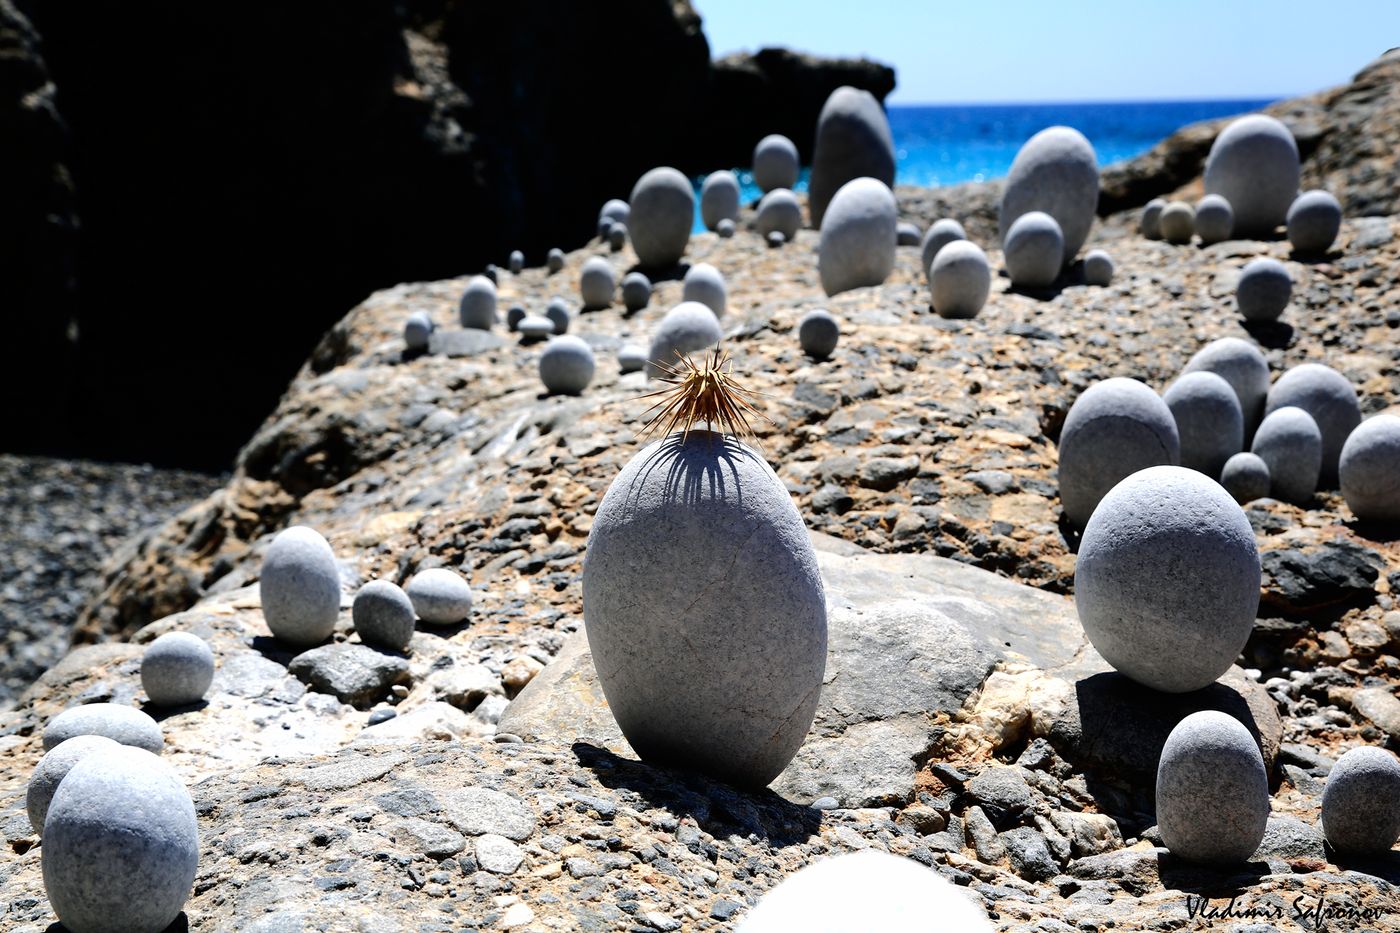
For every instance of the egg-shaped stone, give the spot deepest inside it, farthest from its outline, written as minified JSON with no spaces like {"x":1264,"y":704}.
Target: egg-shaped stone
{"x":1290,"y":444}
{"x":1033,"y":250}
{"x":1056,"y":172}
{"x":939,"y":235}
{"x":719,"y":198}
{"x":300,"y":587}
{"x":960,"y":280}
{"x":477,"y":308}
{"x":1241,"y":364}
{"x":1212,"y":790}
{"x":817,"y":333}
{"x":1330,"y":398}
{"x":687,"y":327}
{"x":775,"y":163}
{"x":1263,"y":290}
{"x":705,"y":284}
{"x":566,"y":365}
{"x":383,"y":615}
{"x":662,"y":214}
{"x":440,"y":596}
{"x":1209,"y":422}
{"x":1254,"y":165}
{"x":1369,"y":470}
{"x":1215,"y":219}
{"x":53,"y":768}
{"x":1314,"y":219}
{"x":126,"y":725}
{"x":779,"y":211}
{"x":857,"y":236}
{"x":177,"y":668}
{"x":853,"y":141}
{"x":596,"y":283}
{"x":1245,"y":477}
{"x":1178,"y":222}
{"x":1361,"y":802}
{"x":636,"y":291}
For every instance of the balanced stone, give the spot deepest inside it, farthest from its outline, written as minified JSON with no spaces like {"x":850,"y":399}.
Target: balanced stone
{"x":554,"y":261}
{"x":440,"y":596}
{"x":857,"y":236}
{"x":1033,"y":250}
{"x":703,"y":283}
{"x":725,"y":229}
{"x":1254,"y":165}
{"x":1314,"y":220}
{"x":478,"y":307}
{"x":566,"y":366}
{"x":853,"y":141}
{"x":1215,"y":219}
{"x":596,"y":283}
{"x":775,"y":163}
{"x":779,"y":210}
{"x":1150,"y":223}
{"x":1241,"y":364}
{"x":517,"y":261}
{"x":687,"y":327}
{"x":53,"y":768}
{"x":636,"y":291}
{"x":1263,"y":290}
{"x":383,"y":615}
{"x":300,"y":587}
{"x":1361,"y":802}
{"x":417,"y":330}
{"x":126,"y":725}
{"x":906,"y":233}
{"x":631,"y":357}
{"x":121,"y":844}
{"x":1057,"y":173}
{"x":818,"y":332}
{"x":558,"y":313}
{"x":662,"y":213}
{"x":1290,"y":444}
{"x":1098,"y":268}
{"x":1369,"y":470}
{"x":177,"y":668}
{"x":1245,"y":477}
{"x":719,"y":198}
{"x":960,"y":280}
{"x":514,"y":315}
{"x":1116,"y":428}
{"x":1328,"y":396}
{"x":939,"y":235}
{"x":1167,"y":580}
{"x":1178,"y":222}
{"x":534,"y":327}
{"x":1212,"y":790}
{"x":1209,"y":422}
{"x":617,"y":237}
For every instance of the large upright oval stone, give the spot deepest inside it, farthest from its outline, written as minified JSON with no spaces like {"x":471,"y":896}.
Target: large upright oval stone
{"x":1056,"y":172}
{"x":1254,"y":165}
{"x":853,"y":141}
{"x":662,"y":211}
{"x":859,"y":236}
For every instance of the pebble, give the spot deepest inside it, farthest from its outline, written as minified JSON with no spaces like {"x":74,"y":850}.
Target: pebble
{"x":177,"y":668}
{"x":440,"y":596}
{"x":383,"y":615}
{"x":124,"y":724}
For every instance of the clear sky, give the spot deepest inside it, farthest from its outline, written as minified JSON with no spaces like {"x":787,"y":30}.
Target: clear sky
{"x":1022,"y":51}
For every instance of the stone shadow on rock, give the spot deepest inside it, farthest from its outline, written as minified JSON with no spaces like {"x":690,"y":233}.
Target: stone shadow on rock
{"x":1073,"y":275}
{"x":1178,"y":874}
{"x":280,"y":652}
{"x":1272,"y":335}
{"x":1373,"y":531}
{"x":162,"y":713}
{"x":1314,"y":259}
{"x":180,"y":924}
{"x":656,"y":274}
{"x":718,"y":808}
{"x":1385,"y":865}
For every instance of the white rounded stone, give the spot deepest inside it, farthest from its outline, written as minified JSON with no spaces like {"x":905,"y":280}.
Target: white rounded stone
{"x":636,"y":291}
{"x":566,"y":365}
{"x":300,"y":587}
{"x":516,"y":261}
{"x":857,"y":236}
{"x":383,"y":615}
{"x":1177,"y":223}
{"x":1033,"y":250}
{"x":1369,"y":470}
{"x":1254,"y":165}
{"x":1241,"y":364}
{"x":943,"y":232}
{"x":534,"y":327}
{"x":1150,"y":223}
{"x":817,"y":333}
{"x":1098,"y":268}
{"x":126,"y":725}
{"x":596,"y":283}
{"x":853,"y":141}
{"x":177,"y":668}
{"x":1245,"y":477}
{"x":662,"y":214}
{"x":440,"y":596}
{"x":1290,"y":444}
{"x":779,"y":210}
{"x":478,"y":306}
{"x":1361,"y":802}
{"x":53,"y":768}
{"x":1263,"y":290}
{"x":1215,"y":219}
{"x":960,"y":279}
{"x":1314,"y":220}
{"x":1212,"y":790}
{"x":687,"y":327}
{"x":554,"y":261}
{"x":631,"y":357}
{"x":1209,"y":422}
{"x":417,"y":330}
{"x":1056,"y":173}
{"x":906,"y":233}
{"x":1329,"y":397}
{"x":558,"y":313}
{"x":775,"y":163}
{"x":704,"y":283}
{"x":719,"y":198}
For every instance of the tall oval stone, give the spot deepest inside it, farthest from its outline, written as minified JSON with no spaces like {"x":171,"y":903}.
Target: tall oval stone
{"x":1254,"y":165}
{"x":858,"y":236}
{"x":853,"y":141}
{"x":1057,"y":172}
{"x":661,"y":213}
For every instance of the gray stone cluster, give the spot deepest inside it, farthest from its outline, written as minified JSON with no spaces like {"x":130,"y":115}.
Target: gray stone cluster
{"x":940,"y":234}
{"x":1254,"y":165}
{"x":1329,"y":397}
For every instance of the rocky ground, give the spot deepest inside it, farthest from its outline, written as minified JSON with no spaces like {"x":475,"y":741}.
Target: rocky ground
{"x":477,"y":782}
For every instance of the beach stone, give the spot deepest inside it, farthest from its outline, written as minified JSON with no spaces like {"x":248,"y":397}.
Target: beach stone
{"x":353,"y":674}
{"x":121,"y":844}
{"x":853,"y":141}
{"x":939,"y":235}
{"x":516,"y":261}
{"x":775,"y":163}
{"x":865,"y":890}
{"x":636,"y":291}
{"x":1167,"y":580}
{"x":383,"y":615}
{"x":707,"y":661}
{"x":631,"y":357}
{"x":1178,"y":222}
{"x":1314,"y":219}
{"x":1215,"y":220}
{"x":662,"y":213}
{"x":725,"y":229}
{"x":780,"y":211}
{"x":617,"y":237}
{"x":514,"y":315}
{"x":53,"y":768}
{"x":554,"y":260}
{"x":1209,"y":422}
{"x":1361,"y":802}
{"x":1369,"y":470}
{"x":477,"y":308}
{"x":1098,"y":268}
{"x":1290,"y":839}
{"x":1150,"y":223}
{"x":1241,"y":364}
{"x":534,"y":327}
{"x":704,"y":283}
{"x":566,"y":365}
{"x":960,"y":280}
{"x":558,"y":313}
{"x":596,"y":283}
{"x":1263,"y":290}
{"x":177,"y":668}
{"x":817,"y":333}
{"x":1212,"y":790}
{"x":1033,"y":250}
{"x":417,"y":330}
{"x":1254,"y":165}
{"x":614,"y":210}
{"x":719,"y":198}
{"x":1329,"y":397}
{"x":1056,"y":173}
{"x":687,"y":327}
{"x":440,"y":596}
{"x":1245,"y":477}
{"x":299,"y":586}
{"x":906,"y":233}
{"x":1117,"y":427}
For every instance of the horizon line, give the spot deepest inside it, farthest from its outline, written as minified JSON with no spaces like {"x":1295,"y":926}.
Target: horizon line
{"x":1082,"y":101}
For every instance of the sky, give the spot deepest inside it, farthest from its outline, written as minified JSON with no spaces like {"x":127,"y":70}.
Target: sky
{"x":984,"y":51}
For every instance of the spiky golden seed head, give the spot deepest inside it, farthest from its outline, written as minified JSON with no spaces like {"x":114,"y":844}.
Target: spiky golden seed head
{"x":701,"y":392}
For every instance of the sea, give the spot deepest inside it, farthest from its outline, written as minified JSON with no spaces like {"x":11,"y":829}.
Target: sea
{"x":950,"y":143}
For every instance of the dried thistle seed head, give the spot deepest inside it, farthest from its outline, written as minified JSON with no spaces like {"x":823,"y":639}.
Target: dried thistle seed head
{"x":701,"y":392}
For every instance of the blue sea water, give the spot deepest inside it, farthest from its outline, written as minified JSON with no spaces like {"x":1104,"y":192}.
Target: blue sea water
{"x":948,"y":144}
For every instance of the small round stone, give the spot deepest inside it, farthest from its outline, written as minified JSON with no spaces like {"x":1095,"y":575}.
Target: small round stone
{"x":779,"y":210}
{"x":478,"y":306}
{"x":440,"y":596}
{"x":126,"y":725}
{"x":1150,"y":223}
{"x":1098,"y":268}
{"x":687,"y":327}
{"x":857,"y":243}
{"x":596,"y":283}
{"x":383,"y":615}
{"x":1290,"y":444}
{"x":51,"y":770}
{"x":1215,"y":220}
{"x":517,"y":261}
{"x":1245,"y":477}
{"x":1212,"y":790}
{"x":617,"y":237}
{"x":775,"y":163}
{"x":719,"y":198}
{"x":177,"y":668}
{"x":662,"y":214}
{"x":514,"y":316}
{"x":558,"y":313}
{"x":907,"y":233}
{"x":939,"y":235}
{"x":1263,"y":290}
{"x":1328,"y":396}
{"x":121,"y":844}
{"x":1361,"y":802}
{"x":704,"y":283}
{"x":615,"y":210}
{"x":566,"y":365}
{"x":1209,"y":422}
{"x":1314,"y":219}
{"x":960,"y":280}
{"x":1034,"y":250}
{"x":1369,"y":470}
{"x":775,"y":239}
{"x":1178,"y":222}
{"x":1241,"y":364}
{"x":818,"y":332}
{"x":300,"y":587}
{"x":417,"y":330}
{"x":631,"y":357}
{"x":535,"y":327}
{"x":636,"y":291}
{"x":555,"y":260}
{"x":725,"y":228}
